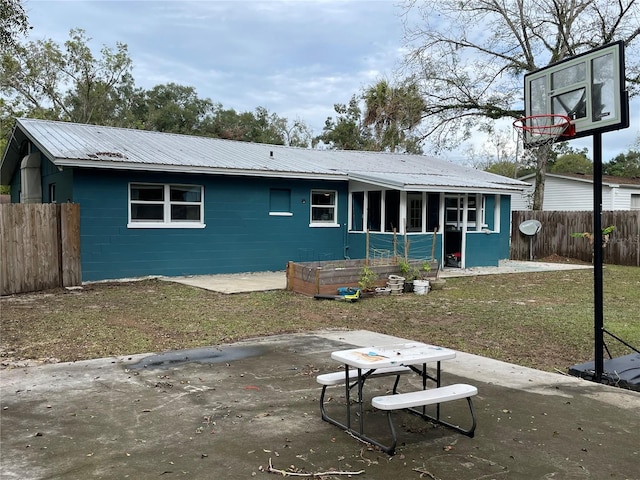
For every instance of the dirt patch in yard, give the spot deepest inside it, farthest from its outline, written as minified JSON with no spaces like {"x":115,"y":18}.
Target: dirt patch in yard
{"x":559,"y":259}
{"x":542,"y":320}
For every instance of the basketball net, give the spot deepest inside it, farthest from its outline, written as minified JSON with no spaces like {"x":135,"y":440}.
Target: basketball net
{"x":543,"y":130}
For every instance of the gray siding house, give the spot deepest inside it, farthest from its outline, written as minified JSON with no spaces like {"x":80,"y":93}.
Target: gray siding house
{"x":574,"y":192}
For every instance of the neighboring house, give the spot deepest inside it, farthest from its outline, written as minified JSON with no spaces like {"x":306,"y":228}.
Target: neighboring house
{"x":574,"y":192}
{"x":164,"y":204}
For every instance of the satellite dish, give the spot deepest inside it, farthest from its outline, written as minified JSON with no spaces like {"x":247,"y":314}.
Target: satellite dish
{"x":530,"y":228}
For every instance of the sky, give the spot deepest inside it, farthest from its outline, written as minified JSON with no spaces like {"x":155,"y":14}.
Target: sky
{"x":296,"y":58}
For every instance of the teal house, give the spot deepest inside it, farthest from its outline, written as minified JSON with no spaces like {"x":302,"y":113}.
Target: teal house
{"x":163,"y":204}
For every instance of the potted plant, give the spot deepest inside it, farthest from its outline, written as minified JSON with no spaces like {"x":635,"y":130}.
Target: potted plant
{"x":409,"y":272}
{"x":425,"y":270}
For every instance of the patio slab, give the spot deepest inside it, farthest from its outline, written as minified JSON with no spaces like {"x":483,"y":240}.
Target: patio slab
{"x":227,"y":411}
{"x":263,"y":281}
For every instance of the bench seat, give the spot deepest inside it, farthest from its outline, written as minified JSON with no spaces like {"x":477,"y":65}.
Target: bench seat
{"x":424,"y":397}
{"x":337,"y":378}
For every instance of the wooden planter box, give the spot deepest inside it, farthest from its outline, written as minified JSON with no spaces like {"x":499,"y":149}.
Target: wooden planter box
{"x":324,"y":278}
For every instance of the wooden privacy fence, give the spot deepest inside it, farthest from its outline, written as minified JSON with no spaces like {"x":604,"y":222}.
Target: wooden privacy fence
{"x":39,"y":247}
{"x":555,"y":236}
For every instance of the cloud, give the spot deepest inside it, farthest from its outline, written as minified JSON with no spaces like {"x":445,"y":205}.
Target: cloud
{"x":297,"y":58}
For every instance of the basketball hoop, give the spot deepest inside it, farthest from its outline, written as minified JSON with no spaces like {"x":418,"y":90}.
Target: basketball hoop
{"x":538,"y":130}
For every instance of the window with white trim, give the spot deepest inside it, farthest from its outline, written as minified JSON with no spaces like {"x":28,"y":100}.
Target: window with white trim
{"x":414,"y":211}
{"x":166,"y":206}
{"x":324,"y":207}
{"x":454,"y":211}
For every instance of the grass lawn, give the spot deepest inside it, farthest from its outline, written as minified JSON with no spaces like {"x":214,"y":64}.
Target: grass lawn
{"x":541,"y":320}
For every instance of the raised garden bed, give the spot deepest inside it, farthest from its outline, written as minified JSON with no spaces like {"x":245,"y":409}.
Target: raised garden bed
{"x":324,"y":278}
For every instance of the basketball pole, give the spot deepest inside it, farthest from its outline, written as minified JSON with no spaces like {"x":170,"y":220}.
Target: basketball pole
{"x":598,"y":303}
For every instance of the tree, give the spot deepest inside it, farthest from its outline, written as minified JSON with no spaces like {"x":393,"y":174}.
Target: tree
{"x":505,"y":168}
{"x":624,"y":165}
{"x":394,"y":112}
{"x":260,"y":127}
{"x":500,"y":154}
{"x":470,"y":78}
{"x":296,"y":133}
{"x":573,"y":163}
{"x":174,"y":108}
{"x":42,"y":80}
{"x":381,"y":118}
{"x":347,"y":131}
{"x":264,"y":127}
{"x":13,"y":22}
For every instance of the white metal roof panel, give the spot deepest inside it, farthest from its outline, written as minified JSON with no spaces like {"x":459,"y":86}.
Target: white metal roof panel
{"x":431,"y":182}
{"x":71,"y":144}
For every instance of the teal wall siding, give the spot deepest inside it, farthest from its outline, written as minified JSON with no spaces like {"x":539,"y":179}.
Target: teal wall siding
{"x":482,"y":249}
{"x":15,"y":186}
{"x":63,"y":180}
{"x":486,"y":249}
{"x":489,"y":213}
{"x":504,"y":251}
{"x":240,"y":235}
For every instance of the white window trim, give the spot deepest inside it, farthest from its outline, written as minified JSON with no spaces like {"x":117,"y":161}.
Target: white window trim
{"x":462,"y":213}
{"x":404,"y":203}
{"x":318,"y":224}
{"x":167,"y":223}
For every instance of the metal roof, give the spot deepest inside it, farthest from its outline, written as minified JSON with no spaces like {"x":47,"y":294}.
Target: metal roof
{"x":609,"y":180}
{"x":81,"y":145}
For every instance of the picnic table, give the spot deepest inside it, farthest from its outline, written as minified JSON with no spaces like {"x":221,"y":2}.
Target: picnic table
{"x":393,"y":360}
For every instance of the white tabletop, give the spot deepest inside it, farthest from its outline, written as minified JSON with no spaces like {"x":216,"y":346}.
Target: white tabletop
{"x":393,"y":355}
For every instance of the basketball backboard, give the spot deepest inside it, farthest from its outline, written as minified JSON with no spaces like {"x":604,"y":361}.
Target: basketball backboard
{"x":589,"y":89}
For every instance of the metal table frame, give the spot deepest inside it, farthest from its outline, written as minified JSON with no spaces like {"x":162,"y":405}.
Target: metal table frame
{"x":413,"y":355}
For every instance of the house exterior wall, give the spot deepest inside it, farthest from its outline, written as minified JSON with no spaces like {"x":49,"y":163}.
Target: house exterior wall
{"x":483,"y":248}
{"x":561,"y":194}
{"x":504,"y":247}
{"x":565,"y":194}
{"x":487,"y":248}
{"x":621,"y":198}
{"x":15,"y":186}
{"x":522,"y":201}
{"x":63,"y":180}
{"x":239,"y":236}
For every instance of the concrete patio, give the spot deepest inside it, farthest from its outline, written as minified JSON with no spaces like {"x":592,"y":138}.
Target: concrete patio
{"x":261,"y":281}
{"x":227,"y":411}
